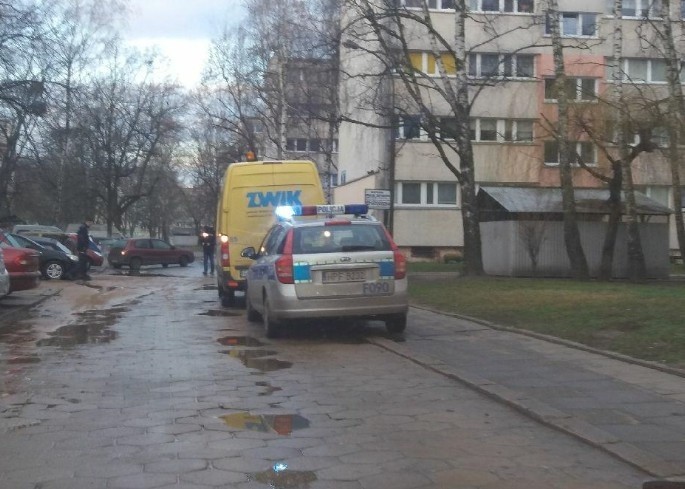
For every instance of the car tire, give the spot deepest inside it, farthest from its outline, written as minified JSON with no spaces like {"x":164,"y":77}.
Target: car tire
{"x":183,"y":261}
{"x":228,"y":298}
{"x":252,"y":314}
{"x":165,"y":265}
{"x":116,"y":265}
{"x":53,"y":270}
{"x":135,"y":264}
{"x":271,"y":327}
{"x":396,"y":323}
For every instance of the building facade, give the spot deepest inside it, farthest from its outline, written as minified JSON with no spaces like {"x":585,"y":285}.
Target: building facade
{"x":510,"y":68}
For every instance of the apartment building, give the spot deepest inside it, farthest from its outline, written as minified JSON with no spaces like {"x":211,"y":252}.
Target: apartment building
{"x":511,"y":72}
{"x":310,"y":122}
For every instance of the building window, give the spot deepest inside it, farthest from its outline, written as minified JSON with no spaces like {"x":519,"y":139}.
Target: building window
{"x":575,"y":24}
{"x":642,"y":9}
{"x":426,"y":193}
{"x":583,"y":149}
{"x":640,"y":70}
{"x":448,"y":128}
{"x":501,"y":130}
{"x":501,"y":65}
{"x":577,"y":89}
{"x":432,"y":4}
{"x":509,"y":6}
{"x":343,"y":177}
{"x":426,"y":63}
{"x":315,"y":145}
{"x":410,"y":127}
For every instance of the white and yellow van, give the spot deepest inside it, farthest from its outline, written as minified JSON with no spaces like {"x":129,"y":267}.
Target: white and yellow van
{"x":245,"y":211}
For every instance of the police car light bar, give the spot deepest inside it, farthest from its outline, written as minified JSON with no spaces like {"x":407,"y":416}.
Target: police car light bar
{"x":286,"y":212}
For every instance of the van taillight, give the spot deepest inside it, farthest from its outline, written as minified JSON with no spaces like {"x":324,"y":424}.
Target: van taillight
{"x":400,"y":264}
{"x":284,"y":269}
{"x":225,"y":257}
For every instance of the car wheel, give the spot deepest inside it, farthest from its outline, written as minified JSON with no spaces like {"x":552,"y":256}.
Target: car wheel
{"x":396,"y":323}
{"x":252,"y":314}
{"x":183,"y":261}
{"x":228,"y":298}
{"x":165,"y":265}
{"x":116,"y":265}
{"x":135,"y":264}
{"x":271,"y":326}
{"x":53,"y":270}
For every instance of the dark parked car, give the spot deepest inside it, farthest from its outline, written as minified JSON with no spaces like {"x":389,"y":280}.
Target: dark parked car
{"x":135,"y":252}
{"x":54,"y":264}
{"x":23,"y":267}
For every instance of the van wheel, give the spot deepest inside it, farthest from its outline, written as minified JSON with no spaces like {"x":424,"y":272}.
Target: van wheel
{"x":183,"y":261}
{"x":271,"y":326}
{"x":396,"y":323}
{"x":252,"y":314}
{"x":228,"y":298}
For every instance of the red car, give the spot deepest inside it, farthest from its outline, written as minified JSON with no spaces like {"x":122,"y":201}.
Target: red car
{"x":134,"y":252}
{"x":23,"y":267}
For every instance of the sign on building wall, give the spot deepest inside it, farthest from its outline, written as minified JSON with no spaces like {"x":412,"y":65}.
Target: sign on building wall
{"x":376,"y":198}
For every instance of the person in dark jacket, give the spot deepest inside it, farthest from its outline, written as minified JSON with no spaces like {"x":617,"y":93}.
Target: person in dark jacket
{"x":82,"y":243}
{"x":208,"y":240}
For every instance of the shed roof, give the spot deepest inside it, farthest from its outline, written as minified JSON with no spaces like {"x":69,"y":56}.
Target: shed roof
{"x":548,"y":200}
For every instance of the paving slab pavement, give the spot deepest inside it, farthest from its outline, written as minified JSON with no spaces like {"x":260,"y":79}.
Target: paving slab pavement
{"x":634,"y":410}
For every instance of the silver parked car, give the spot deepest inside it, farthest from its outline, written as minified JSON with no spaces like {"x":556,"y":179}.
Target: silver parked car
{"x":336,"y":266}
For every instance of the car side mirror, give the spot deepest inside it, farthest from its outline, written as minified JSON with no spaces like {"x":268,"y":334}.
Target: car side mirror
{"x":249,"y":252}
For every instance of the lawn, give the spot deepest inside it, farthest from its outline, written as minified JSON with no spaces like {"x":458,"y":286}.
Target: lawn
{"x":644,"y":321}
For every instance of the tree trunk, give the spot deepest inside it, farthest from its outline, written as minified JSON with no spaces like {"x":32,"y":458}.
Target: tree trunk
{"x":574,"y":248}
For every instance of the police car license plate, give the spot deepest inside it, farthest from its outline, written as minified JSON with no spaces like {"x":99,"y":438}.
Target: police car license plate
{"x":331,"y":277}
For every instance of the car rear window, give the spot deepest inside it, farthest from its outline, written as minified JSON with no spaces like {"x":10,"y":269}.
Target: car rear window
{"x":340,"y":238}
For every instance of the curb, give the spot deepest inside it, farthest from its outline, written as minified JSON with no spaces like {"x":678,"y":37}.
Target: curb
{"x":540,"y":411}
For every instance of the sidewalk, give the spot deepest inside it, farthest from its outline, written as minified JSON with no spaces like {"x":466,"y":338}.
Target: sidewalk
{"x":632,"y":411}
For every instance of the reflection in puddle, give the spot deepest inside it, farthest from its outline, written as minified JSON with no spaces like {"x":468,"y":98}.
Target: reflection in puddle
{"x":239,"y":341}
{"x":284,"y":478}
{"x":270,"y":389}
{"x":220,"y":313}
{"x":93,"y":327}
{"x":25,"y":359}
{"x":283,"y":424}
{"x":255,"y":359}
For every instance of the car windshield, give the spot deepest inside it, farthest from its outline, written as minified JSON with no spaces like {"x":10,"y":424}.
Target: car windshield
{"x":339,"y":238}
{"x":59,"y":246}
{"x":21,"y":242}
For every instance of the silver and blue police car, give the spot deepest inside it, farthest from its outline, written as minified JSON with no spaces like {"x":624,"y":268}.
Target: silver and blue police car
{"x":342,"y":263}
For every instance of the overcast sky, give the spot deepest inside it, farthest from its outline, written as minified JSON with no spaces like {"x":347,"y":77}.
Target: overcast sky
{"x":181,"y":30}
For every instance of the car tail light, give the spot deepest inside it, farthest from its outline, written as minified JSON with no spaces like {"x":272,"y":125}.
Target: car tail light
{"x":284,"y":265}
{"x":398,"y":258}
{"x":400,"y":264}
{"x":225,"y":257}
{"x":284,"y":269}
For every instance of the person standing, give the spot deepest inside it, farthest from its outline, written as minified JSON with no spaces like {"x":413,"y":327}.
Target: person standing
{"x":208,"y":241}
{"x":82,"y":244}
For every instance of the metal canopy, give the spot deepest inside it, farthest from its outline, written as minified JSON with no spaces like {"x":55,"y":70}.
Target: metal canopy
{"x":536,"y":200}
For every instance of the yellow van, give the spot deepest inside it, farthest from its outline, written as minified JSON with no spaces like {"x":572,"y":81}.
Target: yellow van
{"x":245,"y":211}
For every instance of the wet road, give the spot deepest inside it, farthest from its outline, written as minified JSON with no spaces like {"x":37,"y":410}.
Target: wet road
{"x":145,"y":381}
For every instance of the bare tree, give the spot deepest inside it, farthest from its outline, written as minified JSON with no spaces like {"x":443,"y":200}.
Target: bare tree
{"x":125,"y":127}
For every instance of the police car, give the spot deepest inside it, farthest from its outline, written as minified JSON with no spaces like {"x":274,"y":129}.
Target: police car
{"x":340,"y":263}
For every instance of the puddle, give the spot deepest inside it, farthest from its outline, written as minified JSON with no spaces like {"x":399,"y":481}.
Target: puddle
{"x":27,"y":359}
{"x":279,"y":477}
{"x":207,"y":287}
{"x":239,"y":341}
{"x":283,"y":424}
{"x":255,"y":359}
{"x":220,"y":313}
{"x":270,"y":389}
{"x":92,"y":327}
